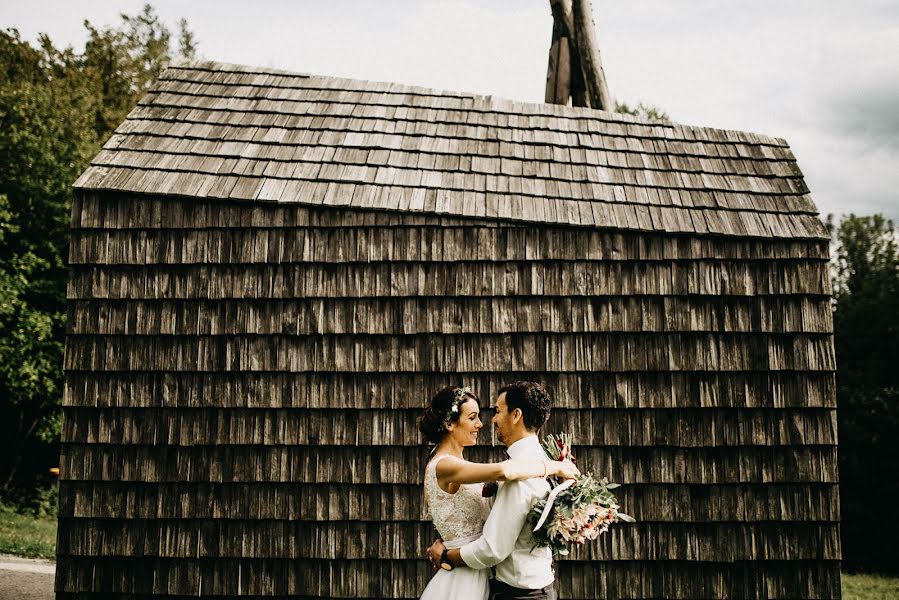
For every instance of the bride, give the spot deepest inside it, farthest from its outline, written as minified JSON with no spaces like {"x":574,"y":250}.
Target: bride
{"x":453,"y":489}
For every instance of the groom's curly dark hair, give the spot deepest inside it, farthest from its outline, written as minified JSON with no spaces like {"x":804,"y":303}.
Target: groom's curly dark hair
{"x":533,"y":401}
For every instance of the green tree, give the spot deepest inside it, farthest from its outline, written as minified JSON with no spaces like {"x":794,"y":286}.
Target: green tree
{"x":123,"y":62}
{"x":642,"y":110}
{"x":46,"y":139}
{"x":57,"y":107}
{"x":866,"y":336}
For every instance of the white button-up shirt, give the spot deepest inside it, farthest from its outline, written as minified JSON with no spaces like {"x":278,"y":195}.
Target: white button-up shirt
{"x":507,"y":539}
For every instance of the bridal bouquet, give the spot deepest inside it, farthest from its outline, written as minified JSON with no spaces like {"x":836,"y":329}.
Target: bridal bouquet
{"x":576,"y":511}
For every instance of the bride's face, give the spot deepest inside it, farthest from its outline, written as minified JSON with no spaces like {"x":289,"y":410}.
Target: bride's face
{"x":465,"y":430}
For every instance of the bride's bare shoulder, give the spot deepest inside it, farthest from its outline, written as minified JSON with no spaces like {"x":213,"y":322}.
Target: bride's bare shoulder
{"x":447,"y":460}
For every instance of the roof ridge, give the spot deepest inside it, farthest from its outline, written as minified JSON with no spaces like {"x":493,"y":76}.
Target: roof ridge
{"x":501,"y":103}
{"x":492,"y":103}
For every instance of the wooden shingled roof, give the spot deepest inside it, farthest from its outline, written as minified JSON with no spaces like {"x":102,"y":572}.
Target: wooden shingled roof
{"x":214,"y":130}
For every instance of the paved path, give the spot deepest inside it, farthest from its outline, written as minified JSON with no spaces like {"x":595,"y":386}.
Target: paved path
{"x":26,"y":578}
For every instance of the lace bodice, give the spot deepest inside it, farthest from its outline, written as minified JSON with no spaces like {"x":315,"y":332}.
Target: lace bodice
{"x":458,"y":516}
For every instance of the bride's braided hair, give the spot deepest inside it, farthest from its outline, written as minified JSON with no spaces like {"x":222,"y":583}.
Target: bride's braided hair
{"x":433,"y":420}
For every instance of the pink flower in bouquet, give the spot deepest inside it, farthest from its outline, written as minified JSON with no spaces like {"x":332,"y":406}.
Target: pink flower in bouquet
{"x":560,"y":526}
{"x":581,"y":515}
{"x":567,"y":528}
{"x":554,"y":528}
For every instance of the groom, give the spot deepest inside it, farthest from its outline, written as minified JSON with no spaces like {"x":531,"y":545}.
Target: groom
{"x":507,"y":542}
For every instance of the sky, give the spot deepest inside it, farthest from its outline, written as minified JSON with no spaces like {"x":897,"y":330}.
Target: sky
{"x":822,"y":74}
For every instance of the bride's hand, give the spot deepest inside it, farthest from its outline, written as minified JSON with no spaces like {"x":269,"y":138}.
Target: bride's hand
{"x":566,"y":469}
{"x":435,"y":552}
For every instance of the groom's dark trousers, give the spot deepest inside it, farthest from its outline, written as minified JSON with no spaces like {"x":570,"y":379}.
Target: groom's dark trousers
{"x":503,"y":591}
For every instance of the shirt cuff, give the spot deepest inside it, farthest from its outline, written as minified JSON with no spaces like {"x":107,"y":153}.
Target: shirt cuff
{"x":469,"y":557}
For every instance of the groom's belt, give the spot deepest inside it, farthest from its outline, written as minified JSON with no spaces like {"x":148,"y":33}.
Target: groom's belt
{"x":505,"y":591}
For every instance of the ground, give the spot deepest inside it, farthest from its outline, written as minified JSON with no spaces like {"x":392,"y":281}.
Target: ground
{"x":25,"y":578}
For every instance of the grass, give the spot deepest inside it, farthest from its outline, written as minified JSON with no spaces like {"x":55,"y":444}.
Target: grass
{"x":869,"y":587}
{"x":25,"y":535}
{"x":32,"y":537}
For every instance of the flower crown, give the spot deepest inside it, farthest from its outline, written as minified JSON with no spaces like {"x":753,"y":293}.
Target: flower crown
{"x":458,"y":400}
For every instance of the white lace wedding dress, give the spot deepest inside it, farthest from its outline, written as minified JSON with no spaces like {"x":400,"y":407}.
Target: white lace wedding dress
{"x":459,"y":518}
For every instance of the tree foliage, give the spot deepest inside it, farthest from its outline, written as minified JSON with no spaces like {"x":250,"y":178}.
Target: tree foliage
{"x":642,"y":110}
{"x":865,"y":277}
{"x":122,"y":62}
{"x":57,"y":106}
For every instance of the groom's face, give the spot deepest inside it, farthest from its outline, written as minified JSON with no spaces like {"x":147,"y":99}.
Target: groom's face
{"x":502,"y":421}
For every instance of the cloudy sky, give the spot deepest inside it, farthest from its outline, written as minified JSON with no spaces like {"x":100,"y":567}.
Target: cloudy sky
{"x":823,"y":74}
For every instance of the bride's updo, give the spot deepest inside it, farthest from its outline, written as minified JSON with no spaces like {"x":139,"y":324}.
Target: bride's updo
{"x":433,"y":420}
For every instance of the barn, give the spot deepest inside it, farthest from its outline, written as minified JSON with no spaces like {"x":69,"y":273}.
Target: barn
{"x":270,"y":274}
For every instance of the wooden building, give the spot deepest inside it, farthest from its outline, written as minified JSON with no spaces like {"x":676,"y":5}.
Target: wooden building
{"x":271,"y":273}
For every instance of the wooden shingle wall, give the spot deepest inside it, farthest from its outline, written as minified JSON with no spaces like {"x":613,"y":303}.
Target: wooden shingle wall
{"x":242,"y":382}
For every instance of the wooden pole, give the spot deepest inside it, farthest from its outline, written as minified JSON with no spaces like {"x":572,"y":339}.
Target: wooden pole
{"x":588,"y":53}
{"x":575,"y":68}
{"x":558,"y":72}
